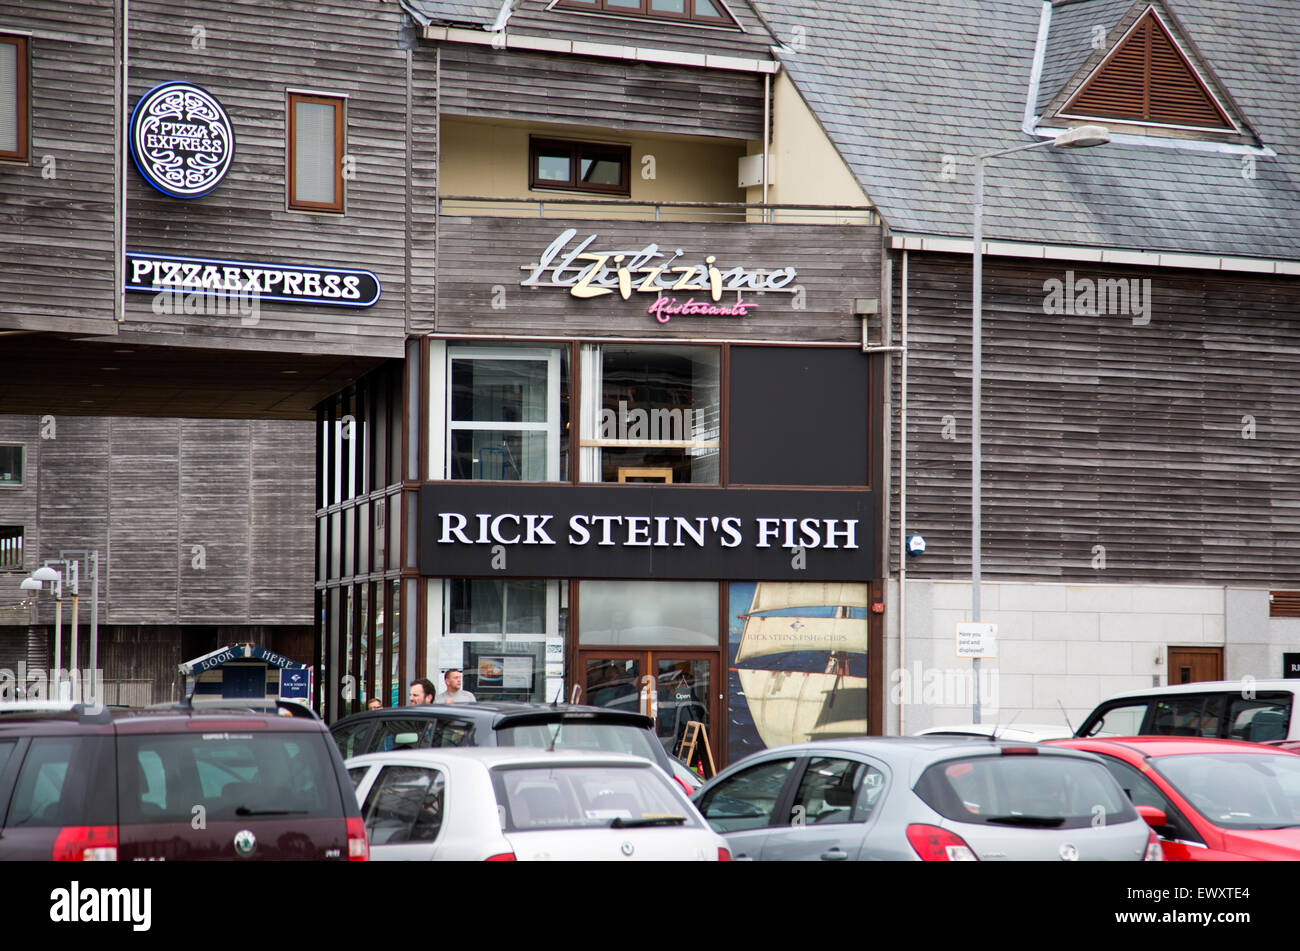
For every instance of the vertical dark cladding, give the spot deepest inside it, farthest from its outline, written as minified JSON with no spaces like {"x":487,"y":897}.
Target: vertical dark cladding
{"x":1166,"y":434}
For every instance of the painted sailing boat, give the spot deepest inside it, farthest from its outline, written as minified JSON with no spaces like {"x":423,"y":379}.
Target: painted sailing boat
{"x":792,"y":706}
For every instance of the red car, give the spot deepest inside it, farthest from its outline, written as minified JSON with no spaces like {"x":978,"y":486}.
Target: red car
{"x":1208,"y":799}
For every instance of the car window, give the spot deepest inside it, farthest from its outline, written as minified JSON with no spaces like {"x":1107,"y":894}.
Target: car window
{"x":350,"y":736}
{"x":1259,"y":719}
{"x":747,"y":799}
{"x":386,"y":732}
{"x":1187,"y":715}
{"x":6,"y":748}
{"x":1122,"y":720}
{"x":1238,"y":790}
{"x":62,"y":782}
{"x":449,"y":732}
{"x":405,"y":805}
{"x":1143,"y":792}
{"x":836,"y":790}
{"x":39,"y":791}
{"x":583,"y":735}
{"x":583,"y":797}
{"x":1032,"y":791}
{"x":356,"y":774}
{"x":163,"y":778}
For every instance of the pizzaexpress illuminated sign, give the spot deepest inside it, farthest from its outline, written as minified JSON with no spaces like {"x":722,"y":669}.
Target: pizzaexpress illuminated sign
{"x":181,"y":140}
{"x":217,"y":277}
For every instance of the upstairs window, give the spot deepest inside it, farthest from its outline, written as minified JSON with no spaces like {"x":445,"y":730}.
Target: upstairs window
{"x":691,"y":11}
{"x":14,"y":98}
{"x":11,"y":465}
{"x":11,"y":546}
{"x":580,"y":166}
{"x":1147,"y":79}
{"x":317,"y":133}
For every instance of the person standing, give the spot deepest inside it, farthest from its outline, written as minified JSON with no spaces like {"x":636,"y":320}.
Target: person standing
{"x":421,"y":693}
{"x":453,"y":693}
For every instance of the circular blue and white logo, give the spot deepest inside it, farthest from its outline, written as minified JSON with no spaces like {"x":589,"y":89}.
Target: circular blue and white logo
{"x":181,"y":140}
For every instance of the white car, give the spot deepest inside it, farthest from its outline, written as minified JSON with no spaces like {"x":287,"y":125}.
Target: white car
{"x":1018,"y":732}
{"x":518,"y":804}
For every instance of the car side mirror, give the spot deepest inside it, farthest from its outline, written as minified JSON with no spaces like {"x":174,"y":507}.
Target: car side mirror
{"x":1153,"y":817}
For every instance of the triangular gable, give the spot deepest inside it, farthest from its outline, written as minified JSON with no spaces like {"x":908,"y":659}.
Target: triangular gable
{"x":1150,"y":75}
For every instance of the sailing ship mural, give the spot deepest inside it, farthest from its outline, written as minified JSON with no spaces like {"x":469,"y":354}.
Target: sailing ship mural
{"x":798,"y":663}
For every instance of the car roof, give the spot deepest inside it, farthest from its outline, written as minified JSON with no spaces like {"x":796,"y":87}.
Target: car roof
{"x":1155,"y":746}
{"x":1004,"y":730}
{"x":498,"y":711}
{"x":912,"y":748}
{"x":1209,"y":686}
{"x":491,"y":756}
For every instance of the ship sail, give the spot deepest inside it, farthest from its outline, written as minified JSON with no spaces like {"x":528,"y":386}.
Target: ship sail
{"x":764,"y":636}
{"x":803,"y":594}
{"x":791,"y":706}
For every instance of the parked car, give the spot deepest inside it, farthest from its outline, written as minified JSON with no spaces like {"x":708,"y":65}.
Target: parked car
{"x":81,"y":783}
{"x":509,"y":724}
{"x":938,"y":799}
{"x":1247,"y":709}
{"x":1019,"y":732}
{"x":522,"y":804}
{"x":1208,"y":799}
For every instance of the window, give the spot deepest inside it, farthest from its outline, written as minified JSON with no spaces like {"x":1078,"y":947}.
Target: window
{"x":11,"y":465}
{"x":405,"y":805}
{"x":837,"y":790}
{"x":580,"y":166}
{"x":14,"y":98}
{"x":504,"y":414}
{"x":748,"y":799}
{"x":650,"y":414}
{"x":317,"y":131}
{"x":695,"y":11}
{"x":505,"y":636}
{"x":11,"y":546}
{"x":621,"y":613}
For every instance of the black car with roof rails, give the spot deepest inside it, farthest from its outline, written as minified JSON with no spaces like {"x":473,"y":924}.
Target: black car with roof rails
{"x":81,"y":783}
{"x":564,"y":726}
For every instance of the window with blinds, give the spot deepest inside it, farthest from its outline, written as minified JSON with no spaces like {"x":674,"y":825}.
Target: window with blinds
{"x":1146,"y":78}
{"x":1284,"y":604}
{"x":14,"y":97}
{"x":316,"y":152}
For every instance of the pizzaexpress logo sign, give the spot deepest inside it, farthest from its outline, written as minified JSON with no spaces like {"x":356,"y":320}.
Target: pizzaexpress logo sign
{"x":181,"y":140}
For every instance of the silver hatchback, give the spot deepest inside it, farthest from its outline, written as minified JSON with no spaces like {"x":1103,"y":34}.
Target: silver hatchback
{"x":924,"y":798}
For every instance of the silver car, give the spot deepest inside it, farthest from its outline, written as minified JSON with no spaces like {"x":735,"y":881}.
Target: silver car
{"x":923,"y":798}
{"x":519,"y":804}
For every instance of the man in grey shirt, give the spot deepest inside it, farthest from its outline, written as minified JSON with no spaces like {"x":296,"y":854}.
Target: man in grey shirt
{"x":453,"y":693}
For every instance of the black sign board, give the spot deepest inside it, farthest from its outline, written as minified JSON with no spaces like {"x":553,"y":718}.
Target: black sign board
{"x":1290,"y":665}
{"x":246,"y":280}
{"x":646,"y":531}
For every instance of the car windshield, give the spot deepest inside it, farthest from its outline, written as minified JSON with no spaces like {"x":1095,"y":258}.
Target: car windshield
{"x":1032,"y":791}
{"x":534,"y":799}
{"x":582,"y":735}
{"x":1238,"y":790}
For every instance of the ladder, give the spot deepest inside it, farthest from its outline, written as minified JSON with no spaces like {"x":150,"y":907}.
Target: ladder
{"x":691,"y":738}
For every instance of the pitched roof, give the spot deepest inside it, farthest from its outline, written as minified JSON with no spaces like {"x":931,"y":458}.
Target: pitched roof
{"x":1078,"y":29}
{"x":901,"y":86}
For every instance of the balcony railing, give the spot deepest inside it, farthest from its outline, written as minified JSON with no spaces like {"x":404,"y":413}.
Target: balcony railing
{"x":601,"y":208}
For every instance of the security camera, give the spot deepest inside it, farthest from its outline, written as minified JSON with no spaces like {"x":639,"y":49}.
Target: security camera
{"x":915,"y":545}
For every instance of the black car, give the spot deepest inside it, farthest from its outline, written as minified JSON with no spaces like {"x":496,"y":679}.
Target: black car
{"x":564,"y":726}
{"x":82,"y":783}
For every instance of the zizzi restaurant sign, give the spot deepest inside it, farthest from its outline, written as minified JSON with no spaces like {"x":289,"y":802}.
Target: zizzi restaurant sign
{"x":645,"y":531}
{"x":682,"y":287}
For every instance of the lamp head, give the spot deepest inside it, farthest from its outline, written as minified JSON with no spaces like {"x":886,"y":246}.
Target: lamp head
{"x":1082,"y":137}
{"x":30,"y":584}
{"x":45,"y":573}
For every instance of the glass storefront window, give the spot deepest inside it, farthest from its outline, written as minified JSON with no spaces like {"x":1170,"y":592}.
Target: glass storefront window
{"x":505,"y":637}
{"x":505,"y":413}
{"x":650,"y":414}
{"x":676,"y":613}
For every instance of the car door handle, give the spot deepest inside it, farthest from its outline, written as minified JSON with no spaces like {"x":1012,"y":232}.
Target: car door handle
{"x":742,"y":857}
{"x":834,"y":854}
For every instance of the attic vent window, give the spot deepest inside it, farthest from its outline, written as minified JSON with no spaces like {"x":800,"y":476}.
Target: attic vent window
{"x":711,"y":12}
{"x":1146,"y":78}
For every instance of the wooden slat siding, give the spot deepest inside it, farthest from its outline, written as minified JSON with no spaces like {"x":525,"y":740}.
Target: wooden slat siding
{"x":603,"y":94}
{"x":835,"y":265}
{"x":531,"y":18}
{"x":340,"y":47}
{"x":18,"y":505}
{"x":144,"y":652}
{"x":74,"y":510}
{"x":56,"y":234}
{"x":281,"y":565}
{"x":215,"y":500}
{"x":423,"y":185}
{"x":1099,"y":432}
{"x":144,"y":521}
{"x":1284,"y":604}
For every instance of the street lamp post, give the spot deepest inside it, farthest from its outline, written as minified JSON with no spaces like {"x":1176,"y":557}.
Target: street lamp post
{"x":1080,"y":137}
